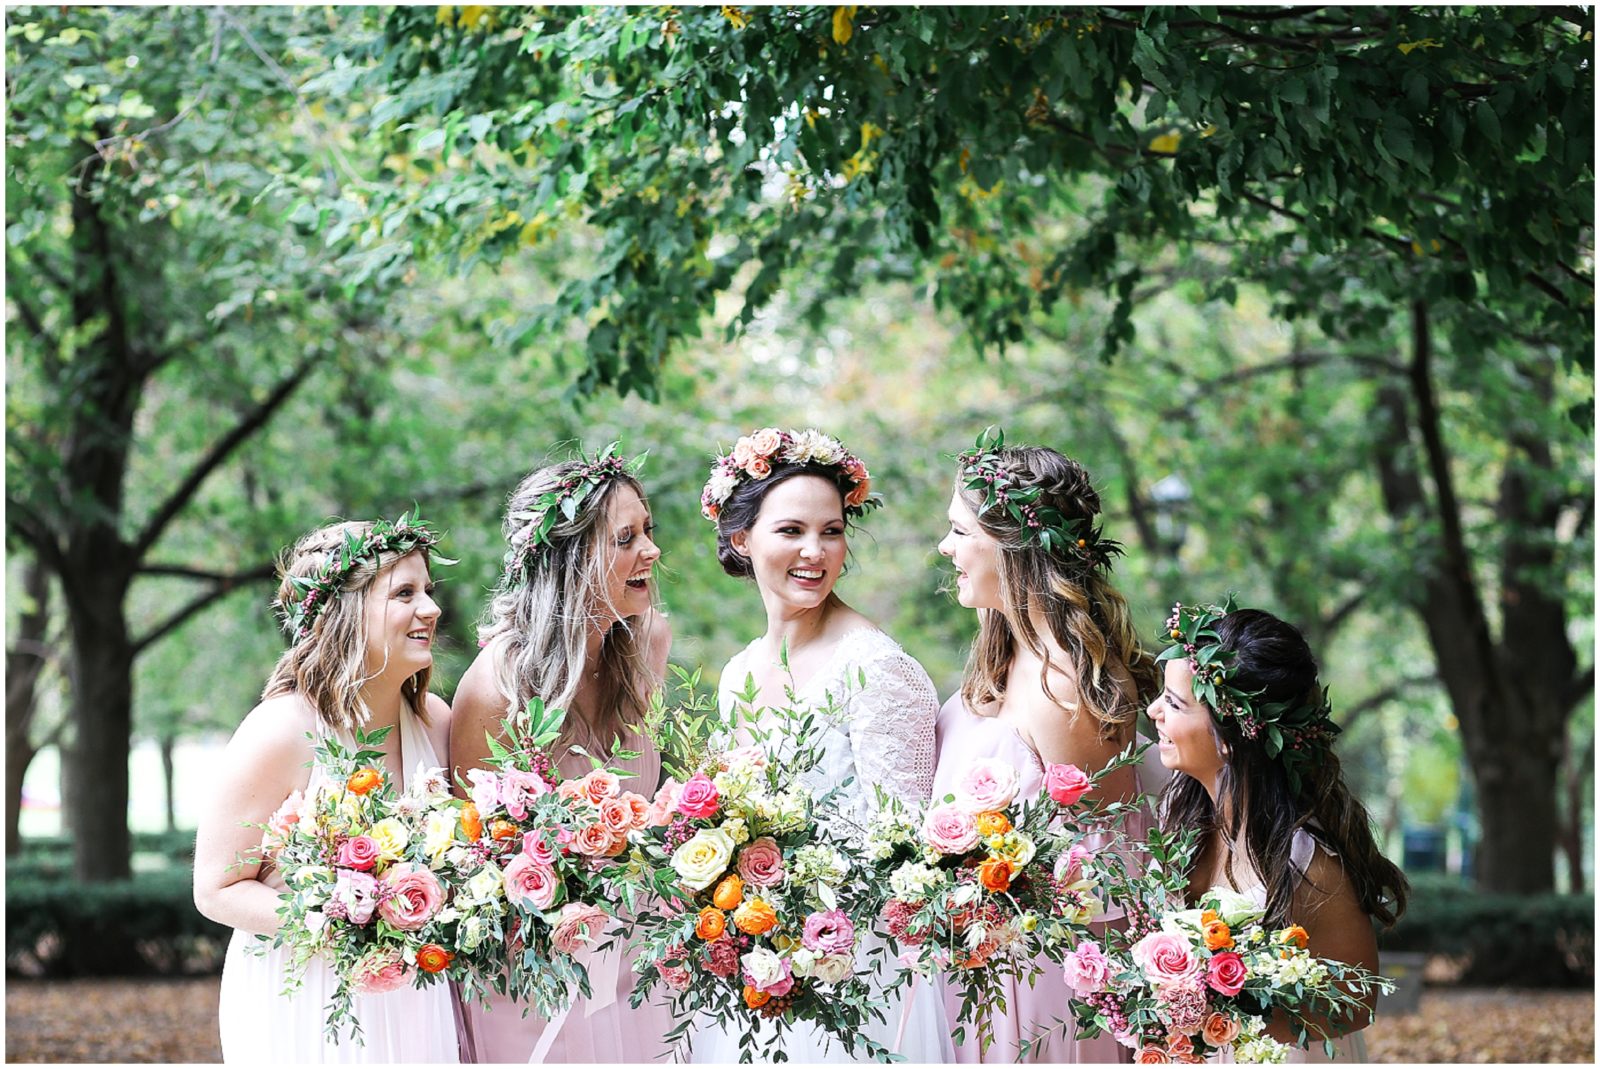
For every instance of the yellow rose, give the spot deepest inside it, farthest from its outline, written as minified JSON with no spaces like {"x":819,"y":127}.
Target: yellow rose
{"x":391,"y":837}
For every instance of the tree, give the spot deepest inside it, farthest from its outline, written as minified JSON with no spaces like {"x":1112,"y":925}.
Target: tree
{"x":1363,"y":165}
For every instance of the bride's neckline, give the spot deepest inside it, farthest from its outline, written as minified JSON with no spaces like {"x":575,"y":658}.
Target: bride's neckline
{"x":822,"y":670}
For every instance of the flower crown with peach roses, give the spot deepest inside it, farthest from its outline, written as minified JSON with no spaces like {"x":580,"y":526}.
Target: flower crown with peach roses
{"x":315,"y":592}
{"x":562,"y":503}
{"x":1297,"y":731}
{"x":754,"y":456}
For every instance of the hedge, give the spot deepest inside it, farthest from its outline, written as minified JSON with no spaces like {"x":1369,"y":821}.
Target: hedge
{"x":146,"y":926}
{"x":1503,"y":940}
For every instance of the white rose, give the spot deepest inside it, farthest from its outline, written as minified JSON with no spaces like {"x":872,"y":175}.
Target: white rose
{"x":763,"y":966}
{"x":803,"y":961}
{"x":438,"y":834}
{"x":486,"y":885}
{"x":703,"y":858}
{"x":833,"y":968}
{"x":1235,"y":909}
{"x":473,"y":931}
{"x":316,"y":920}
{"x":448,"y":915}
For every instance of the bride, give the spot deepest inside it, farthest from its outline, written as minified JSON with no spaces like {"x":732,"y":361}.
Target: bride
{"x":781,"y":502}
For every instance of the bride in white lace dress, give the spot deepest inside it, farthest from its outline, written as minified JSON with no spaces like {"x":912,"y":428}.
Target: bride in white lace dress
{"x":781,"y":502}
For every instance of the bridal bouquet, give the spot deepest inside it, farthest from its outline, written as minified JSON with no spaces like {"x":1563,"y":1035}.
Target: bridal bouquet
{"x":746,"y":912}
{"x":1184,"y":985}
{"x":366,"y":890}
{"x":529,"y":866}
{"x":982,"y":883}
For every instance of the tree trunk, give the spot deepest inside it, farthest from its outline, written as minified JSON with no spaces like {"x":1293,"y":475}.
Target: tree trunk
{"x":169,"y":779}
{"x":102,"y":709}
{"x":1575,"y":773}
{"x":25,"y":660}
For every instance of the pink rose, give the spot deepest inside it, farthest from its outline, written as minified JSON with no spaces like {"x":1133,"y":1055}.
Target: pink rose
{"x":380,"y":972}
{"x":358,"y":852}
{"x":415,"y":895}
{"x":1226,"y":974}
{"x":595,"y":840}
{"x":1086,"y":968}
{"x":766,"y":441}
{"x":579,"y":925}
{"x":518,"y":790}
{"x":950,"y":829}
{"x":1219,"y":1030}
{"x":699,"y":797}
{"x":571,"y":790}
{"x":531,"y":884}
{"x":665,"y":804}
{"x":485,"y":791}
{"x":616,"y":815}
{"x":988,"y":785}
{"x":829,"y":932}
{"x":1165,"y":958}
{"x":1069,"y":866}
{"x":539,"y":851}
{"x":760,"y":863}
{"x":599,"y":785}
{"x":1066,"y":783}
{"x":744,"y":451}
{"x":676,"y":977}
{"x":758,"y":468}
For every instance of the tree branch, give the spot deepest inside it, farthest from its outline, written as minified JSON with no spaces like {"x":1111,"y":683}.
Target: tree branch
{"x":25,"y":523}
{"x":184,"y":571}
{"x":220,"y":451}
{"x":222,"y":589}
{"x":1382,"y":697}
{"x":1339,"y":616}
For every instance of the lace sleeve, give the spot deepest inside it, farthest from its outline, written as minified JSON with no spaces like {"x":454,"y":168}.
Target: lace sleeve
{"x":892,"y":728}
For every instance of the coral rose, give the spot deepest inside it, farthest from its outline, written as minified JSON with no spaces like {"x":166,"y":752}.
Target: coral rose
{"x":1219,"y":1030}
{"x":761,"y":863}
{"x":1226,"y":973}
{"x":599,"y":785}
{"x":759,"y":468}
{"x":755,"y":916}
{"x":363,"y":780}
{"x":1066,"y":783}
{"x":379,"y":972}
{"x":710,"y":924}
{"x":594,"y":840}
{"x":415,"y":895}
{"x":994,"y":874}
{"x":765,"y":442}
{"x":640,"y":808}
{"x":431,"y":957}
{"x":1152,"y":1056}
{"x":729,"y":893}
{"x":617,"y":816}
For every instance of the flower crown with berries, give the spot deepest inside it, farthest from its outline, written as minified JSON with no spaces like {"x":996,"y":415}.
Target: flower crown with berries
{"x":1296,"y":731}
{"x":562,"y":503}
{"x":983,"y":469}
{"x":753,"y":457}
{"x":315,"y":592}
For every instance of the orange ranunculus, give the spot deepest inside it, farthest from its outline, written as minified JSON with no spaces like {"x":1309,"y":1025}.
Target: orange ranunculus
{"x":755,"y":917}
{"x":711,"y":924}
{"x":755,"y":999}
{"x":1217,"y":934}
{"x":363,"y":780}
{"x":1296,"y":935}
{"x":502,"y":829}
{"x":995,"y":874}
{"x":729,"y":893}
{"x":993,"y":822}
{"x":471,"y":823}
{"x":1207,"y":916}
{"x":431,"y":957}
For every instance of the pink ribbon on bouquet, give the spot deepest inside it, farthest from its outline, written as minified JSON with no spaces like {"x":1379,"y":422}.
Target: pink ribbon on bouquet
{"x":906,"y":958}
{"x":603,"y":973}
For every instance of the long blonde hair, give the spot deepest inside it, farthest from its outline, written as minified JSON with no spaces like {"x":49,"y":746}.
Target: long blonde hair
{"x":329,"y":666}
{"x":1087,"y":616}
{"x":545,"y":607}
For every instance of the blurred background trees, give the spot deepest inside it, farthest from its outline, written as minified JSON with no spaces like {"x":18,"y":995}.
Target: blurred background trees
{"x":1309,"y":290}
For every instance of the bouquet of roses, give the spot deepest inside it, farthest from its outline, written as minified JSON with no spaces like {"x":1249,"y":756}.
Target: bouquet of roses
{"x":1180,"y":985}
{"x":364,"y":891}
{"x":745,"y":907}
{"x":982,"y":883}
{"x":530,"y":863}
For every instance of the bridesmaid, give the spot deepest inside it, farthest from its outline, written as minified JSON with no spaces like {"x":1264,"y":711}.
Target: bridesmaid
{"x":1283,"y":828}
{"x":1056,"y":675}
{"x":573,"y":622}
{"x":360,"y":655}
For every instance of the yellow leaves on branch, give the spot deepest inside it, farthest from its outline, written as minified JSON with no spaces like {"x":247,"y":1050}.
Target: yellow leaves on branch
{"x":869,"y":131}
{"x":471,"y":17}
{"x":1166,"y":144}
{"x":844,"y":24}
{"x":1407,"y":47}
{"x":736,"y":16}
{"x":1433,"y":246}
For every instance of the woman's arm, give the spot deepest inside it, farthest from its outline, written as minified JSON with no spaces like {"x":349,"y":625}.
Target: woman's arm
{"x":263,"y":764}
{"x":438,"y":728}
{"x":479,"y":709}
{"x":1325,"y":905}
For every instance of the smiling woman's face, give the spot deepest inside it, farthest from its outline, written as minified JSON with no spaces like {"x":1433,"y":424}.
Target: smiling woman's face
{"x":797,"y":544}
{"x":976,"y":556}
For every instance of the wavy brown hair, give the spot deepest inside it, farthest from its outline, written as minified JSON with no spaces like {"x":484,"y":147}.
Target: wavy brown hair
{"x":545,"y":607}
{"x":329,"y":666}
{"x":1086,"y":616}
{"x":1258,"y":799}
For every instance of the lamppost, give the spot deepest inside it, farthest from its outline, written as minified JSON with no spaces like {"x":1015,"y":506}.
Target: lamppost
{"x":1171,"y":497}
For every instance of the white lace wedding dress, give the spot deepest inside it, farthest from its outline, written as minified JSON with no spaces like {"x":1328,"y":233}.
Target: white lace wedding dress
{"x":884,"y":736}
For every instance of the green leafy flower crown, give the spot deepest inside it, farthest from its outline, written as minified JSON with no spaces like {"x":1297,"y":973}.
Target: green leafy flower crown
{"x":316,"y":592}
{"x":982,"y":468}
{"x":562,"y":503}
{"x":1297,"y":731}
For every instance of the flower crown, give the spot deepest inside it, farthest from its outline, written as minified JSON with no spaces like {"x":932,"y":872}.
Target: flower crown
{"x":316,"y":592}
{"x":753,"y":456}
{"x":562,"y":503}
{"x":1297,"y":731}
{"x":983,"y":469}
